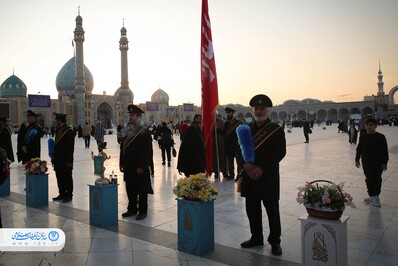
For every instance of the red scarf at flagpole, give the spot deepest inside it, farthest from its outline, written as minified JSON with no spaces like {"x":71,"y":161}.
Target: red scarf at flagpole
{"x":209,"y":86}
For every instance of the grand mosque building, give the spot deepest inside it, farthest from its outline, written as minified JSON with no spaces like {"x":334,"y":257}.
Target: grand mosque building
{"x":75,"y":84}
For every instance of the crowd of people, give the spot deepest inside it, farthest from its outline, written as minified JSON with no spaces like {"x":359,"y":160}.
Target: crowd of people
{"x":259,"y":179}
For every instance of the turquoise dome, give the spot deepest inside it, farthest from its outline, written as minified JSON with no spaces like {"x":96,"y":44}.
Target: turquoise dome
{"x":118,"y":95}
{"x":13,"y":87}
{"x":160,"y":96}
{"x":65,"y":81}
{"x":290,"y":102}
{"x":310,"y":101}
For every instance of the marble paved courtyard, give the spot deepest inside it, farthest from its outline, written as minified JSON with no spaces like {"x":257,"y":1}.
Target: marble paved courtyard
{"x":372,"y":232}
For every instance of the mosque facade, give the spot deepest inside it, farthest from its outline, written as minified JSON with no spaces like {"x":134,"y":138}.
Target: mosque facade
{"x":75,"y":84}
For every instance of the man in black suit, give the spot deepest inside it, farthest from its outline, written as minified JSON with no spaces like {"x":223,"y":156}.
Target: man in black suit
{"x":135,"y":156}
{"x":31,"y":141}
{"x":62,"y":160}
{"x":260,"y":180}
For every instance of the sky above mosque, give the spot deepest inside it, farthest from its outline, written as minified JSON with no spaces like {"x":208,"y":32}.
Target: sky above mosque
{"x":287,"y":49}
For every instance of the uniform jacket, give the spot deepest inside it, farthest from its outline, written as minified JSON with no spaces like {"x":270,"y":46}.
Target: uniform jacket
{"x":64,"y":147}
{"x":5,"y":141}
{"x":33,"y":144}
{"x":137,"y":154}
{"x":230,"y":137}
{"x":267,"y":157}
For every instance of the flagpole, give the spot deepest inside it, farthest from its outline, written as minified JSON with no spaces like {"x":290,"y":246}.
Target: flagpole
{"x":216,"y":140}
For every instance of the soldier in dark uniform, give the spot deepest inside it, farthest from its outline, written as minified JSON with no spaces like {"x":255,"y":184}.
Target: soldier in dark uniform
{"x":260,"y":180}
{"x":31,"y":141}
{"x":5,"y":138}
{"x":231,"y":145}
{"x":134,"y":162}
{"x":62,"y":160}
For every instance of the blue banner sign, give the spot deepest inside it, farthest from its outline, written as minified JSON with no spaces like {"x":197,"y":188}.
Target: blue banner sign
{"x":152,"y":106}
{"x":188,"y":107}
{"x":39,"y":101}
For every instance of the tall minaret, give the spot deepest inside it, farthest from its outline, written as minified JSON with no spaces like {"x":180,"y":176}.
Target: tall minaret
{"x":126,"y":95}
{"x":380,"y":84}
{"x":80,"y":89}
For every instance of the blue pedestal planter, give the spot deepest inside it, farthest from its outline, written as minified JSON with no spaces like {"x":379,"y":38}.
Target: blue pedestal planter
{"x":37,"y":190}
{"x":103,"y":205}
{"x":195,"y":226}
{"x":5,"y":188}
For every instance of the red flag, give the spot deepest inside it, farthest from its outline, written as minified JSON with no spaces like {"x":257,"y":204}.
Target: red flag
{"x":209,"y":85}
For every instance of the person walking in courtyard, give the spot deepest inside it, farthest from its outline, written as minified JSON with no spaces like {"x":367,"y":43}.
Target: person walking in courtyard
{"x":166,"y":141}
{"x":306,"y":129}
{"x":260,"y":180}
{"x":372,"y":149}
{"x":62,"y":160}
{"x":352,"y":134}
{"x":99,"y":133}
{"x":86,"y":132}
{"x":134,"y":163}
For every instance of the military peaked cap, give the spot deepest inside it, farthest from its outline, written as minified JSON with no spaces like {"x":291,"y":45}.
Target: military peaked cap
{"x":261,"y":100}
{"x":31,"y":113}
{"x":229,"y":110}
{"x":133,"y":109}
{"x":59,"y":116}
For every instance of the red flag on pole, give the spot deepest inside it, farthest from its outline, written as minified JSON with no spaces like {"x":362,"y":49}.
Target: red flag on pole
{"x":209,"y":85}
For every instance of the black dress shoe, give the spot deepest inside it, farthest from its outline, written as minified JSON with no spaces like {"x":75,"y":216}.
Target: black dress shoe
{"x":251,"y":243}
{"x":128,"y":214}
{"x":67,"y":199}
{"x":276,"y":250}
{"x":59,"y":197}
{"x":141,"y":215}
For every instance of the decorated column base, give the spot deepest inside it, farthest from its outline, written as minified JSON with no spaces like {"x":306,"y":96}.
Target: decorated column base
{"x":37,"y":190}
{"x":323,"y":242}
{"x":103,"y":205}
{"x":5,"y":188}
{"x":195,"y":226}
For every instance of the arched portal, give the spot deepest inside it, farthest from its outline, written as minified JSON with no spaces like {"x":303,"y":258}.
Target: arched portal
{"x":283,"y":115}
{"x":322,"y":115}
{"x":367,"y":111}
{"x":343,"y":113}
{"x":332,"y":115}
{"x":391,"y":96}
{"x":105,"y":114}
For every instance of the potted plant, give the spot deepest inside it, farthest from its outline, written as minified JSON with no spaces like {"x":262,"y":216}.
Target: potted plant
{"x":36,"y":183}
{"x":195,"y":206}
{"x":325,"y":201}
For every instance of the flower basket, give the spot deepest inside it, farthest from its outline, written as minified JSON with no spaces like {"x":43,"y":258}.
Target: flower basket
{"x":195,"y":188}
{"x":324,"y":201}
{"x":323,"y":214}
{"x":36,"y":167}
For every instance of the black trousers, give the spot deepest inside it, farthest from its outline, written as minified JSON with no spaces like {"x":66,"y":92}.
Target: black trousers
{"x":231,"y":164}
{"x":253,"y":211}
{"x":373,"y":178}
{"x":64,"y":180}
{"x":166,"y":150}
{"x":137,"y":201}
{"x":87,"y":141}
{"x":307,"y":138}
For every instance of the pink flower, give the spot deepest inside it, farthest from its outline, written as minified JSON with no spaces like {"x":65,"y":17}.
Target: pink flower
{"x":316,"y":204}
{"x":348,"y":196}
{"x":326,"y":199}
{"x":308,"y":185}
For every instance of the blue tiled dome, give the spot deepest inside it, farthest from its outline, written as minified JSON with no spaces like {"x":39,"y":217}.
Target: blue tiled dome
{"x":65,"y":81}
{"x":160,"y":96}
{"x":118,"y":95}
{"x":13,"y":87}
